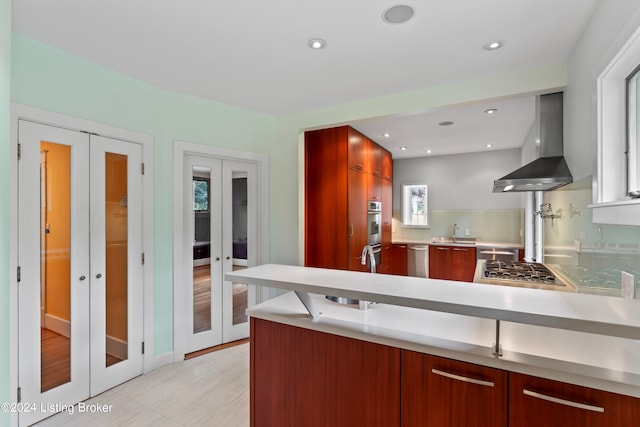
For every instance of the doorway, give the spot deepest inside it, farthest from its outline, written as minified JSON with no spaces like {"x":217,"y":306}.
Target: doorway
{"x":220,"y":227}
{"x":80,"y":293}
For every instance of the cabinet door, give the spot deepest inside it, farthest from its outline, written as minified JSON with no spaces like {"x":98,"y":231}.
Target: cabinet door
{"x":440,"y":262}
{"x":442,"y":392}
{"x":357,"y":223}
{"x":357,"y":149}
{"x":538,"y":402}
{"x":463,"y":264}
{"x":399,"y":260}
{"x":374,"y":188}
{"x":301,"y":377}
{"x":387,"y":165}
{"x":374,"y":158}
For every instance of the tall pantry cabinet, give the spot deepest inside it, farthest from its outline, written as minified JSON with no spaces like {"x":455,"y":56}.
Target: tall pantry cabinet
{"x":343,"y":170}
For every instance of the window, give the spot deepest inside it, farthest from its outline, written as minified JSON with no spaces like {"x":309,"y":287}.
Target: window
{"x":415,"y":207}
{"x":200,"y":195}
{"x":633,"y":133}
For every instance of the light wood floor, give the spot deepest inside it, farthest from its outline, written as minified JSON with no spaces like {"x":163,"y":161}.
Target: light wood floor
{"x":210,"y":390}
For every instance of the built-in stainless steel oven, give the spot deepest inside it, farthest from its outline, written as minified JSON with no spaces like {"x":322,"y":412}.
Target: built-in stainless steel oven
{"x":374,"y":222}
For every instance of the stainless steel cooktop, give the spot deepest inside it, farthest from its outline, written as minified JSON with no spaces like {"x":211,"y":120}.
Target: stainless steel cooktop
{"x":520,"y":274}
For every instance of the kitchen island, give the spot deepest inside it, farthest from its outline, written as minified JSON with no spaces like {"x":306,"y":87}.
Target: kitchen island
{"x":582,"y":341}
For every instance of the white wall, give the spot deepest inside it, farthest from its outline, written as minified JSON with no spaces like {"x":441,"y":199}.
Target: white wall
{"x":612,"y":24}
{"x":461,"y":181}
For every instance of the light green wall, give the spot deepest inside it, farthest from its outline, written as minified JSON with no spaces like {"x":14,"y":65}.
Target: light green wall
{"x":5,"y":97}
{"x":54,"y":80}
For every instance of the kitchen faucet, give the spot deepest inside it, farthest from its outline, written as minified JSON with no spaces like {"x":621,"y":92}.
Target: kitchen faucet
{"x":372,"y":260}
{"x":455,"y":228}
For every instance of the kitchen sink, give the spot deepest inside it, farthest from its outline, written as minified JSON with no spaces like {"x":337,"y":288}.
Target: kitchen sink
{"x":454,"y":239}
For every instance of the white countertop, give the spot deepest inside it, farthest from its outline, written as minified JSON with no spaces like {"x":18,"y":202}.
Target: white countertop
{"x":611,"y":316}
{"x":453,"y":319}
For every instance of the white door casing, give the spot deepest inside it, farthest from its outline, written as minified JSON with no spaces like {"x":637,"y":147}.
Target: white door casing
{"x":258,"y":167}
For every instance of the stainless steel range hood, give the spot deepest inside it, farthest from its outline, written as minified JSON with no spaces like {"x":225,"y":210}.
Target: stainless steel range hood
{"x":550,"y":170}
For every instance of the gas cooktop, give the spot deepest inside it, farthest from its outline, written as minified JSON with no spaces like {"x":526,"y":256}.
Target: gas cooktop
{"x":520,"y":274}
{"x":522,"y":271}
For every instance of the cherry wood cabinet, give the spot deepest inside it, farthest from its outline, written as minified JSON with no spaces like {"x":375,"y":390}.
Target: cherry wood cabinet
{"x":301,"y":377}
{"x":357,"y":219}
{"x":539,"y":402}
{"x":304,"y":377}
{"x":387,"y":165}
{"x":452,"y":262}
{"x":339,"y":179}
{"x":442,"y":392}
{"x":399,"y":260}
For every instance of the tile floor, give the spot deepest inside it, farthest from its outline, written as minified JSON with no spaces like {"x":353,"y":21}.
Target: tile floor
{"x":211,"y":390}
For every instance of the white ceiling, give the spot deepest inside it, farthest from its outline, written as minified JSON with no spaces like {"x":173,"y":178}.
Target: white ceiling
{"x":254,"y":54}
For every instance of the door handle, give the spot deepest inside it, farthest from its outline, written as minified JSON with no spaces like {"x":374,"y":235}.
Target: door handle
{"x":98,"y":276}
{"x":82,"y":278}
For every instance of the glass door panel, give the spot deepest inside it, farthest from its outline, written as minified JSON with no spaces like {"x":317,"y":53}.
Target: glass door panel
{"x":55,"y":262}
{"x":239,"y":215}
{"x":116,"y":251}
{"x":201,"y":254}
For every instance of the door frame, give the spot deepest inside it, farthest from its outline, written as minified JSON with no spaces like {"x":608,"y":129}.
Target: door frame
{"x":24,"y":112}
{"x":180,"y":150}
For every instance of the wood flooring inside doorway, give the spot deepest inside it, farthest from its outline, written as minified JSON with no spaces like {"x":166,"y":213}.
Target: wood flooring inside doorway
{"x":202,"y":299}
{"x":55,"y":363}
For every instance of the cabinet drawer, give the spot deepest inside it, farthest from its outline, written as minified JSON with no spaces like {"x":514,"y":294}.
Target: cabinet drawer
{"x":442,"y":392}
{"x":544,"y":403}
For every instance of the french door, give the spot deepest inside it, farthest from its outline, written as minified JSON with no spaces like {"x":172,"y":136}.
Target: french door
{"x":80,"y":245}
{"x":220,"y":235}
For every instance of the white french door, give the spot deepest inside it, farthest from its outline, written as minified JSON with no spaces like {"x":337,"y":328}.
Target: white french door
{"x":79,"y":248}
{"x":220,"y":213}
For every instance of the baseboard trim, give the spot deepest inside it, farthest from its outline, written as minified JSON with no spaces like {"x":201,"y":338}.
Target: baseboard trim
{"x":118,"y":348}
{"x":58,"y":325}
{"x":163,"y":359}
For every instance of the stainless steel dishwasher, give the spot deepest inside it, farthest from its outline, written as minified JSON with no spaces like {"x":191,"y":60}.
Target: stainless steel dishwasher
{"x":418,"y":260}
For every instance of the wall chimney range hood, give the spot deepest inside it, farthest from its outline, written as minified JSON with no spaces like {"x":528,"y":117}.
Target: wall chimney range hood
{"x":550,"y":170}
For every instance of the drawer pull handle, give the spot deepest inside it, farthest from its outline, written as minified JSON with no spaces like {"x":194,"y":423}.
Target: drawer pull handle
{"x":563,"y":402}
{"x":458,"y":249}
{"x":442,"y":249}
{"x":461,"y":378}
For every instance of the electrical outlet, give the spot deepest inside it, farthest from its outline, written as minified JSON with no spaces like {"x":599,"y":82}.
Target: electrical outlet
{"x":628,"y":285}
{"x":466,"y":232}
{"x":577,"y":245}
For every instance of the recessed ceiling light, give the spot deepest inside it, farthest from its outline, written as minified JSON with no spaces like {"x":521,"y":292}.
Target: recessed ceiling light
{"x":317,"y":43}
{"x":447,"y":123}
{"x":491,"y":111}
{"x":403,"y":148}
{"x":493,"y":45}
{"x":428,"y":151}
{"x":489,"y":145}
{"x":386,"y":134}
{"x":398,"y":14}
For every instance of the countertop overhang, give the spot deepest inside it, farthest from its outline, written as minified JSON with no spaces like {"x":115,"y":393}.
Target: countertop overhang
{"x":610,"y":316}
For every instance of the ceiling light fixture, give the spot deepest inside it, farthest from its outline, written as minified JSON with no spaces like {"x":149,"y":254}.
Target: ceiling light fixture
{"x":447,"y":123}
{"x":489,"y":145}
{"x":386,"y":134}
{"x":428,"y":151}
{"x":403,"y":148}
{"x":317,"y":44}
{"x":398,"y":14}
{"x":491,"y":111}
{"x":493,"y":45}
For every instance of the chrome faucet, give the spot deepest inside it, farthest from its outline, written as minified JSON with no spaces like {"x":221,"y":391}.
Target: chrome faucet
{"x":372,"y":260}
{"x":455,"y":228}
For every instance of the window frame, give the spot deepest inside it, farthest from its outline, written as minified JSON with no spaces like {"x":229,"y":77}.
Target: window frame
{"x":406,"y":202}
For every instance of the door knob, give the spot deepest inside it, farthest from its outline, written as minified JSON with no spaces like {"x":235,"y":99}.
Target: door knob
{"x":98,"y":276}
{"x":217,"y":258}
{"x":82,"y":278}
